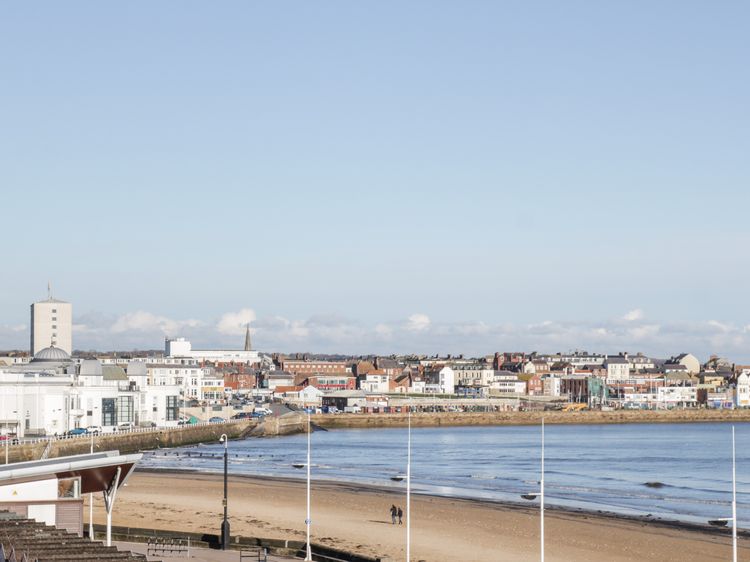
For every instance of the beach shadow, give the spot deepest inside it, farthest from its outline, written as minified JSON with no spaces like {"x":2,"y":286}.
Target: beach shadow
{"x":378,"y":521}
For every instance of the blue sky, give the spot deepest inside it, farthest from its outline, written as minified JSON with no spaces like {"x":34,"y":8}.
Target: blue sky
{"x":335,"y":169}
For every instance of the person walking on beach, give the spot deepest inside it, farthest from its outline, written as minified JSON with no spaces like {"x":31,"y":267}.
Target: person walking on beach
{"x":400,"y":515}
{"x":394,"y":512}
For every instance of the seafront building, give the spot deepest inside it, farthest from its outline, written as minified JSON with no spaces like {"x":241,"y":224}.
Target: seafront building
{"x":54,"y":393}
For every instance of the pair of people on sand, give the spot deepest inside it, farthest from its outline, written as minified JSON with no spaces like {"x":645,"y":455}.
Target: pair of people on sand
{"x":396,"y":512}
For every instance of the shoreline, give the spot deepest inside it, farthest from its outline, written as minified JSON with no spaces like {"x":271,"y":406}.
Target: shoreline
{"x":354,"y":518}
{"x":526,"y":508}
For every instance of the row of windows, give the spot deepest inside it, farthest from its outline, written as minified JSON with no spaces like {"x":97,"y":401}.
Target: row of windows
{"x":117,"y":410}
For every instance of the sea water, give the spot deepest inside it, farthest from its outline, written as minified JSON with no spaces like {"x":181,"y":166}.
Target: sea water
{"x":593,"y":467}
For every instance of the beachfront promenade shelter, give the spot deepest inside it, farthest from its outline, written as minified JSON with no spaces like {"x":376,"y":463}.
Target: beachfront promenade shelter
{"x":51,"y":491}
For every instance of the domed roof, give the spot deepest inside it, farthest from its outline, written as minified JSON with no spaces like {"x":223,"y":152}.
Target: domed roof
{"x":51,"y":353}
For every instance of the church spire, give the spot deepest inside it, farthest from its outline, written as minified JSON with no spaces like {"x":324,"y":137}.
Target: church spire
{"x":248,"y":343}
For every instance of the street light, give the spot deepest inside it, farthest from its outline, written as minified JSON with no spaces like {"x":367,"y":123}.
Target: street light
{"x":225,"y":524}
{"x":540,"y":495}
{"x":722,"y":522}
{"x":308,"y":520}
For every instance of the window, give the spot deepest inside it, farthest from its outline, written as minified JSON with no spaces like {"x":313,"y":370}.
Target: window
{"x":173,"y":410}
{"x":69,"y":488}
{"x":54,"y":326}
{"x":54,"y":318}
{"x":108,"y":411}
{"x":124,"y":409}
{"x":54,"y":311}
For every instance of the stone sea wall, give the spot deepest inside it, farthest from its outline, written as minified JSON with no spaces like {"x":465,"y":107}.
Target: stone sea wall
{"x":341,"y":421}
{"x":130,"y":442}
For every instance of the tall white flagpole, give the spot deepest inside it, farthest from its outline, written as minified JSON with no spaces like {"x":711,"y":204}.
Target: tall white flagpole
{"x":91,"y":500}
{"x":308,"y":555}
{"x":408,"y":491}
{"x":734,"y":503}
{"x":542,"y":495}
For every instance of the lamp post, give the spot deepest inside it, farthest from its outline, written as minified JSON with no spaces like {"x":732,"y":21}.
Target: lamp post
{"x":225,"y":523}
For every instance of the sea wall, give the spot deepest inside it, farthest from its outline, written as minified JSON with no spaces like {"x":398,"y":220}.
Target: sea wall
{"x":130,"y":442}
{"x":282,"y":425}
{"x":419,"y":419}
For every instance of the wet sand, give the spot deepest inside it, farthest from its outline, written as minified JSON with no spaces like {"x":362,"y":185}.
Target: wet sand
{"x":357,"y":518}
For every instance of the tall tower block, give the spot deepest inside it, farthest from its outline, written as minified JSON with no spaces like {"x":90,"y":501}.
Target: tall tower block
{"x":51,"y":324}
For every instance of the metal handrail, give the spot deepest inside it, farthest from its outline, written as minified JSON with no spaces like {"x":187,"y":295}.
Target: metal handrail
{"x":14,"y":441}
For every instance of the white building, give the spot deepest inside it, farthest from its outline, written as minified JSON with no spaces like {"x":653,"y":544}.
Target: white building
{"x":473,"y":374}
{"x":678,"y":396}
{"x":552,"y":386}
{"x":195,"y":381}
{"x":52,"y":395}
{"x":618,"y":368}
{"x":375,"y":383}
{"x":505,"y":382}
{"x":577,"y":359}
{"x":51,"y":325}
{"x":742,"y":391}
{"x":640,"y":362}
{"x":182,"y":348}
{"x":441,"y":382}
{"x":690,"y":361}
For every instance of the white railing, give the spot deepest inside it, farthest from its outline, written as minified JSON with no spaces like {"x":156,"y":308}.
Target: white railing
{"x":15,"y":442}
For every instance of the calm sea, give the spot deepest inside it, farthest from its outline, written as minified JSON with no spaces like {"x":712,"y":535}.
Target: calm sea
{"x":595,"y":467}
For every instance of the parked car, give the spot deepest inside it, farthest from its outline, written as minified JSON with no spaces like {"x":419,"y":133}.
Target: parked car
{"x":12,"y":438}
{"x":125,"y":426}
{"x":241,"y":416}
{"x":257,"y":415}
{"x":216,"y":419}
{"x":95,"y":429}
{"x":77,"y":431}
{"x":264,"y":411}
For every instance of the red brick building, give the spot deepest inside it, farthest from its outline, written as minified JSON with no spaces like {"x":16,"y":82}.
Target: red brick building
{"x":331,"y":382}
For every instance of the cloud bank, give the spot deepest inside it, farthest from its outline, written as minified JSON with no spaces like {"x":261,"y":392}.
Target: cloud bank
{"x":416,"y":332}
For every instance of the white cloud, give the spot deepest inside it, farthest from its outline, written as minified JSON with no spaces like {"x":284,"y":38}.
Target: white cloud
{"x":234,"y":323}
{"x":417,"y":333}
{"x":142,"y":321}
{"x":644,"y":331}
{"x":384,"y":331}
{"x":634,"y":315}
{"x":418,"y":322}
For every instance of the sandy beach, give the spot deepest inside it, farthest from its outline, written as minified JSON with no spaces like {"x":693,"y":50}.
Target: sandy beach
{"x":357,"y":519}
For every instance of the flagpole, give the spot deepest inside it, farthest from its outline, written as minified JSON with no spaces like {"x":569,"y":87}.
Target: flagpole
{"x":542,"y":496}
{"x":734,"y":503}
{"x":408,"y":490}
{"x":308,"y":555}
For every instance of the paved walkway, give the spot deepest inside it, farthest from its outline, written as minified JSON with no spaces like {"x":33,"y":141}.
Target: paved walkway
{"x":197,"y":554}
